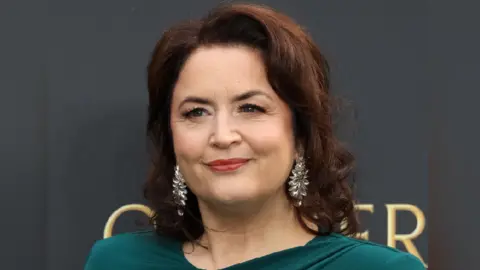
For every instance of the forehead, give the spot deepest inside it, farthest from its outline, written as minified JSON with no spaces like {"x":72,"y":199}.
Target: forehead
{"x":224,"y":69}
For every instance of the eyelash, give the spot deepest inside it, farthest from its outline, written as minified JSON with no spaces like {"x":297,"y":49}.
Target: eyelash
{"x":252,"y":106}
{"x":190,"y":113}
{"x":244,"y":108}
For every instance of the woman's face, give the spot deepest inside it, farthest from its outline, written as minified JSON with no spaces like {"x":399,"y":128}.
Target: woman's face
{"x":232,"y":134}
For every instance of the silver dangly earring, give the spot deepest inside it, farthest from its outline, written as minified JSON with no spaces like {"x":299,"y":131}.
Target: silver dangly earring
{"x":179,"y":191}
{"x":298,"y":181}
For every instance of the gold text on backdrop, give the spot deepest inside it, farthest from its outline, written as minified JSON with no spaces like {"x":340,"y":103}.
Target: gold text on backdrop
{"x":392,"y":236}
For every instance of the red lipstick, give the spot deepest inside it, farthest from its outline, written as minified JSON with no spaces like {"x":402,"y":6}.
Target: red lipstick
{"x":227,"y":165}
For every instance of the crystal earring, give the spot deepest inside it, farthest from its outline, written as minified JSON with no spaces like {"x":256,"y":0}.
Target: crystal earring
{"x":298,"y":181}
{"x":179,"y":191}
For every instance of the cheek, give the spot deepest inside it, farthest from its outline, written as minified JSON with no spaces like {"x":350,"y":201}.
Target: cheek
{"x":274,"y":136}
{"x":273,"y":145}
{"x":188,"y":146}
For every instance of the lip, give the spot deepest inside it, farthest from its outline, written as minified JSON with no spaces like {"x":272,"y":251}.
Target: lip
{"x":227,"y":165}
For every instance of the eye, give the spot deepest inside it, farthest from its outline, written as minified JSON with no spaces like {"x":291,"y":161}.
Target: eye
{"x":251,"y":108}
{"x":195,"y":112}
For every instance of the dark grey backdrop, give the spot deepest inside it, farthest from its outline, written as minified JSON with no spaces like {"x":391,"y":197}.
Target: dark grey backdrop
{"x":73,"y":144}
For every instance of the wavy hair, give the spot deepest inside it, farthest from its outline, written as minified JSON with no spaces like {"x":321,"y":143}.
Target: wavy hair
{"x":299,"y":74}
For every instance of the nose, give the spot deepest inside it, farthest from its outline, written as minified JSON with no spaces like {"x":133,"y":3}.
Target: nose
{"x":225,"y":133}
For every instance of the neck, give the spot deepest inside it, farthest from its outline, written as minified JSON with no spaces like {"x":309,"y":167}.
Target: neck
{"x":235,"y":234}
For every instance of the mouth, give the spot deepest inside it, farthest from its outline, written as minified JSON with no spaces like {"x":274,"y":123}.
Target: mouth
{"x":227,"y":165}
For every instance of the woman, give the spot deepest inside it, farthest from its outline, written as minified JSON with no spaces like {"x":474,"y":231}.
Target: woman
{"x":247,"y":172}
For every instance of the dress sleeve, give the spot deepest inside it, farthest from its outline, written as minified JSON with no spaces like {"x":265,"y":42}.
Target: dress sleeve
{"x":96,"y":259}
{"x":404,"y":261}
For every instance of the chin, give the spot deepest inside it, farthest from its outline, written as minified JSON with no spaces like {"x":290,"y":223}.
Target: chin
{"x":234,"y":198}
{"x":234,"y":194}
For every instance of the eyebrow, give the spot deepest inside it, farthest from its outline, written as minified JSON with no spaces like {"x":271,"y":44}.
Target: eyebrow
{"x":241,"y":97}
{"x":250,"y":94}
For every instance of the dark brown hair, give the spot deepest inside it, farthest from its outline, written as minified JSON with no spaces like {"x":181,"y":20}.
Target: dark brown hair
{"x":298,"y":73}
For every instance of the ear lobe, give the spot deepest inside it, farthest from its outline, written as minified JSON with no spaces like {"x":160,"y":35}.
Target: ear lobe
{"x":300,"y":152}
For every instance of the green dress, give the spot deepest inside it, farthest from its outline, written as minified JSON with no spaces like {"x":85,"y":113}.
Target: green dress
{"x":147,"y":251}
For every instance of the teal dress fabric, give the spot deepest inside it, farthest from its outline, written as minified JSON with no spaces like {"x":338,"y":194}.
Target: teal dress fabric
{"x":148,"y":251}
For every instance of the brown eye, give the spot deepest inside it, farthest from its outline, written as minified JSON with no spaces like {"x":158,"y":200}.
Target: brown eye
{"x":197,"y":112}
{"x":251,"y":108}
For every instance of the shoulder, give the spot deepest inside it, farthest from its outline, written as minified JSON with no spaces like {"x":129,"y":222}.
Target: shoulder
{"x":125,"y":242}
{"x":376,"y":256}
{"x":130,"y":249}
{"x":361,"y":254}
